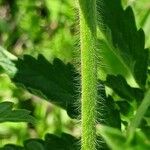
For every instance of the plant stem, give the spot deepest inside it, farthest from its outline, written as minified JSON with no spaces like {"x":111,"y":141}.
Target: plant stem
{"x":139,"y":115}
{"x":88,"y":37}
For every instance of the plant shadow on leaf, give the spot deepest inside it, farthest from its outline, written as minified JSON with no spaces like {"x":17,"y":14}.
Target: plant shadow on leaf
{"x":123,"y":89}
{"x":51,"y":141}
{"x":57,"y":82}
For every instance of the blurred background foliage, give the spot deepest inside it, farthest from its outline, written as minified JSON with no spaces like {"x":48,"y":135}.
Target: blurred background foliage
{"x":33,"y":27}
{"x":47,"y":27}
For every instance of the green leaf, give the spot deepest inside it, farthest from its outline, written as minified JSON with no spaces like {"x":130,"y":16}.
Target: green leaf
{"x":63,"y":142}
{"x":117,"y":141}
{"x":122,"y":41}
{"x":113,"y":116}
{"x":140,"y":142}
{"x":6,"y":63}
{"x":142,"y":14}
{"x":121,"y":87}
{"x":113,"y":137}
{"x":141,"y":111}
{"x":55,"y":82}
{"x":107,"y":113}
{"x":146,"y":131}
{"x":106,"y":110}
{"x":34,"y":144}
{"x":12,"y":147}
{"x":8,"y":114}
{"x":125,"y":108}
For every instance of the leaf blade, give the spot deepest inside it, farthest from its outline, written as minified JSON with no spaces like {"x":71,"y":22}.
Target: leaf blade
{"x":7,"y":114}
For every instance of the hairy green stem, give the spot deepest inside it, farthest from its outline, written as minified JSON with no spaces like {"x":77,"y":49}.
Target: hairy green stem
{"x":139,"y":115}
{"x":88,"y":37}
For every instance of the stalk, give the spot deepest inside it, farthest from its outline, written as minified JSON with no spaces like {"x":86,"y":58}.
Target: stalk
{"x":88,"y":37}
{"x":139,"y":116}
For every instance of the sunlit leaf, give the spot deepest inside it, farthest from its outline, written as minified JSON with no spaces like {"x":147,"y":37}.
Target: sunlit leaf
{"x":122,"y":44}
{"x":6,"y":63}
